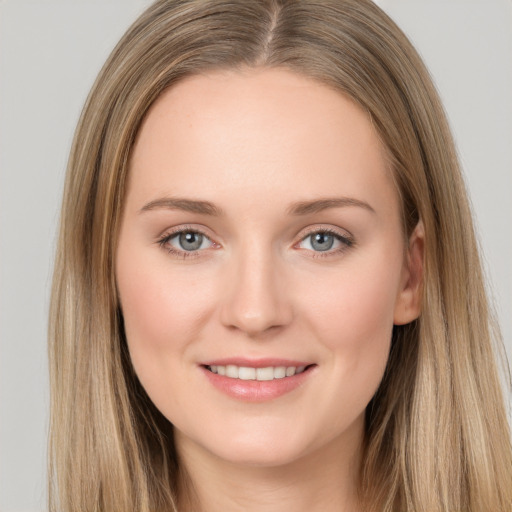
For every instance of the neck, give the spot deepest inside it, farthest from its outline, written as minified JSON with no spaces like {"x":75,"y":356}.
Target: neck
{"x":325,"y":480}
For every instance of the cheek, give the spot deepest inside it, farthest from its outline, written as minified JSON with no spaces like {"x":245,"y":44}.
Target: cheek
{"x":163,"y":313}
{"x":354,"y":323}
{"x":158,"y":301}
{"x":149,"y":309}
{"x":358,"y":308}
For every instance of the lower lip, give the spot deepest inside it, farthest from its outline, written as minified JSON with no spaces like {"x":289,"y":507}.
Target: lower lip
{"x":256,"y":390}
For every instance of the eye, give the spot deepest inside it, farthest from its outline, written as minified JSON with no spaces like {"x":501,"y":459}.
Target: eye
{"x":189,"y":241}
{"x":325,"y":241}
{"x":185,"y":242}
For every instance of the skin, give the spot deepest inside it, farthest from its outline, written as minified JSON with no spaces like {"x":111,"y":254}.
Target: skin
{"x":253,"y":143}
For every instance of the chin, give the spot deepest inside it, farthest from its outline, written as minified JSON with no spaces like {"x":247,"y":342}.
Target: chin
{"x":260,"y":455}
{"x":265,"y":444}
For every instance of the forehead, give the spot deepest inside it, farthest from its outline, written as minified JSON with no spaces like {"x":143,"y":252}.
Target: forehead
{"x":254,"y":131}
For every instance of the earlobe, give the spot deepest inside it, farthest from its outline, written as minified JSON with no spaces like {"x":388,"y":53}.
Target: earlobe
{"x":409,"y":299}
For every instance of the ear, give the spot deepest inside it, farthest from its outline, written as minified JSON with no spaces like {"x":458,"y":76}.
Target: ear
{"x":408,"y":303}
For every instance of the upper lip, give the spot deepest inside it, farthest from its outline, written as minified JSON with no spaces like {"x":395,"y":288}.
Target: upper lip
{"x":256,"y":362}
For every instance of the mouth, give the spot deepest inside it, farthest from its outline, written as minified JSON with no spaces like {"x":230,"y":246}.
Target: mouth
{"x":257,"y":381}
{"x":267,"y":373}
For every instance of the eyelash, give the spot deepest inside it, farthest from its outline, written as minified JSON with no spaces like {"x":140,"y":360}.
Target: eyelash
{"x":164,"y":242}
{"x":346,"y":241}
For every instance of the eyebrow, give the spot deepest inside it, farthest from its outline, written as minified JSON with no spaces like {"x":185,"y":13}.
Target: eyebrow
{"x":318,"y":205}
{"x":296,"y":209}
{"x":187,"y":205}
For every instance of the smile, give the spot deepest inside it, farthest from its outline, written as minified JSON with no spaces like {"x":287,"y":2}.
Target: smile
{"x":261,"y":374}
{"x":257,"y":380}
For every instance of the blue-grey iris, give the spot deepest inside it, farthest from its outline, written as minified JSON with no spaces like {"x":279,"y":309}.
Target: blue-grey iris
{"x":190,"y":241}
{"x":322,"y":241}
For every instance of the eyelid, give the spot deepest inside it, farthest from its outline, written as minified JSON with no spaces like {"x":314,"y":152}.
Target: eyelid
{"x":168,"y":234}
{"x":343,"y":236}
{"x":320,"y":228}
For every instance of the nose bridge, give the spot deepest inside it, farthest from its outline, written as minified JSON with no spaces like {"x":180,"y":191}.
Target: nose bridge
{"x":256,"y":298}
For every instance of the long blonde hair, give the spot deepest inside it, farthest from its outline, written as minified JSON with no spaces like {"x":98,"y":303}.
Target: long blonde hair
{"x":437,"y":437}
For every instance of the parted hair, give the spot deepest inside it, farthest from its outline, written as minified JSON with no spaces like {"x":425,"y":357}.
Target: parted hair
{"x":436,"y":432}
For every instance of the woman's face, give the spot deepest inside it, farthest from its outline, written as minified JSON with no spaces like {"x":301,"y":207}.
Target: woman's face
{"x":261,"y":264}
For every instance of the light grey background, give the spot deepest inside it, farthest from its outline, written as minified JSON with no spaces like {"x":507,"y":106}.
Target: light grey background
{"x":50,"y":52}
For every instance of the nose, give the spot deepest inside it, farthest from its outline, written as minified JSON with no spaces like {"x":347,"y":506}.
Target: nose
{"x":256,"y":299}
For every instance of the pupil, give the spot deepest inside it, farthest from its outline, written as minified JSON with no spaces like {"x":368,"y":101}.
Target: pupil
{"x":322,"y":241}
{"x":191,"y":241}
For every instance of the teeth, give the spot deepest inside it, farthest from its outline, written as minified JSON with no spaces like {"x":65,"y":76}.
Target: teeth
{"x":280,"y":372}
{"x":265,"y":373}
{"x":246,"y":373}
{"x":232,"y":371}
{"x":262,"y":374}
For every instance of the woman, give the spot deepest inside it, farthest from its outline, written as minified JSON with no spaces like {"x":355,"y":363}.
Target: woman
{"x":267,"y":291}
